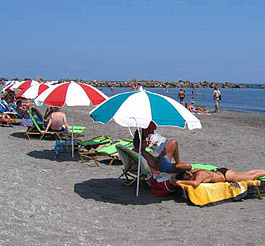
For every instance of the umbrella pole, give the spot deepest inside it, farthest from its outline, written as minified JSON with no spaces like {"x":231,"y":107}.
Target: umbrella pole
{"x":72,"y":140}
{"x":139,"y":166}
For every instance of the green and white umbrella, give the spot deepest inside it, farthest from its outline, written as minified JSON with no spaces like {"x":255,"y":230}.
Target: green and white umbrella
{"x":139,"y":108}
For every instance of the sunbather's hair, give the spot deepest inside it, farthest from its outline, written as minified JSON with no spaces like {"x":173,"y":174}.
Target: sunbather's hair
{"x":183,"y":176}
{"x":56,"y":109}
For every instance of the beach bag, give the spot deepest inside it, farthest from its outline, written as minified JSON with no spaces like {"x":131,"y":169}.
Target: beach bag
{"x":162,"y":188}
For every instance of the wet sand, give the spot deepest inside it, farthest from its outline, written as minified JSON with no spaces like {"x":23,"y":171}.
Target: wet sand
{"x":44,"y":201}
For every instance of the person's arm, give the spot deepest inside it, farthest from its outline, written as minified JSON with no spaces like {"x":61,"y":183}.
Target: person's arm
{"x":65,"y":123}
{"x":198,"y":179}
{"x":48,"y":126}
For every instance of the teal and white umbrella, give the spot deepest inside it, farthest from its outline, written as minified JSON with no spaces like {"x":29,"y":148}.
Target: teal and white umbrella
{"x":139,"y":108}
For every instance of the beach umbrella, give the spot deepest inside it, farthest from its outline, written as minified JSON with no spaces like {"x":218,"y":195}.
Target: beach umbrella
{"x":8,"y":86}
{"x":71,"y":94}
{"x":144,"y":107}
{"x":139,"y":108}
{"x":23,"y":85}
{"x":33,"y":91}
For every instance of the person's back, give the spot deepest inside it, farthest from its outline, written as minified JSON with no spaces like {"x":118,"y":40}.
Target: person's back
{"x":57,"y":121}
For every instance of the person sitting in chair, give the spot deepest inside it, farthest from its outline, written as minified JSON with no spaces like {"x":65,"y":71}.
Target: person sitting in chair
{"x":163,"y":161}
{"x":198,"y":176}
{"x":57,"y":121}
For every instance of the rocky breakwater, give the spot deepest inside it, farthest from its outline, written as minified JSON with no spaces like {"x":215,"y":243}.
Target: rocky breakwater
{"x":165,"y":84}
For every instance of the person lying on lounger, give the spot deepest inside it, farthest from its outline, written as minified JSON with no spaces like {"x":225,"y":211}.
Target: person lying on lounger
{"x":198,"y":176}
{"x":163,"y":161}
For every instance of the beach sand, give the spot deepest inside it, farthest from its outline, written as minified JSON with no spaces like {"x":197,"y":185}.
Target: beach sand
{"x":45,"y":201}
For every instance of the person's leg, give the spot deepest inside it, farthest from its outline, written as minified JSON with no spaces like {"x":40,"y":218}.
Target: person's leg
{"x":172,"y":151}
{"x":233,"y":176}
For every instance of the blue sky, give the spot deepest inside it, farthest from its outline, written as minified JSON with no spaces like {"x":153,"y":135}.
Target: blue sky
{"x":196,"y":40}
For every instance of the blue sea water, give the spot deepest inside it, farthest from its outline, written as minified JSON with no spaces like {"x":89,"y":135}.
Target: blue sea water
{"x":244,"y":100}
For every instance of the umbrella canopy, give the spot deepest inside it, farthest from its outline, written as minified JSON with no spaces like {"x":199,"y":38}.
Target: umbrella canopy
{"x":139,"y":108}
{"x":8,"y":86}
{"x":33,"y":91}
{"x":71,"y":94}
{"x":24,"y":84}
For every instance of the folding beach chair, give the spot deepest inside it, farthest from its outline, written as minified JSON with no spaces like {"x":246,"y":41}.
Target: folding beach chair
{"x":36,"y":129}
{"x":129,"y":159}
{"x":85,"y":146}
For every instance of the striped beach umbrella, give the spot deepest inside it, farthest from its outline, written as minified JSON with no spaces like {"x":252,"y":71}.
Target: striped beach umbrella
{"x":24,"y":84}
{"x":71,"y":94}
{"x":8,"y":86}
{"x":33,"y":91}
{"x":139,"y":108}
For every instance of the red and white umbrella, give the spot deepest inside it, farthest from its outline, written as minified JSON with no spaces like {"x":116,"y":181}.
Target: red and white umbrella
{"x":33,"y":91}
{"x":71,"y":94}
{"x":9,"y":85}
{"x":24,"y":84}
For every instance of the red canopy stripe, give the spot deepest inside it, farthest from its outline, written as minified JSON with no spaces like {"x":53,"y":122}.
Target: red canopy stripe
{"x":94,"y":96}
{"x":25,"y":85}
{"x":42,"y":88}
{"x":58,"y":93}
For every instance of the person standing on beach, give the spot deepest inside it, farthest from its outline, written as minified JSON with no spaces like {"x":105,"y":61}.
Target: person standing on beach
{"x":181,"y":96}
{"x":216,"y":97}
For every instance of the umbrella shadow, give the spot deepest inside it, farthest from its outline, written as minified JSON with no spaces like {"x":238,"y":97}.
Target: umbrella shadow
{"x":52,"y":156}
{"x":113,"y":190}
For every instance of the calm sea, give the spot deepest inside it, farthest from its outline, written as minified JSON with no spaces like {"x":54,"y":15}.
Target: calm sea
{"x":245,"y":100}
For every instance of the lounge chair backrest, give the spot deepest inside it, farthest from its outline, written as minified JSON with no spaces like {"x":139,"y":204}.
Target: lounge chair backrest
{"x":34,"y":122}
{"x":129,"y":157}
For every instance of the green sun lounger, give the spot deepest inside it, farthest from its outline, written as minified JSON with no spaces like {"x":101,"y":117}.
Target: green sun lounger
{"x":36,"y":129}
{"x":109,"y":150}
{"x":85,"y":146}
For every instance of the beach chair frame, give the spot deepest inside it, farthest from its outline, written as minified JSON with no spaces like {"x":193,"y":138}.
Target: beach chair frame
{"x":84,"y":147}
{"x":113,"y":156}
{"x":35,"y":129}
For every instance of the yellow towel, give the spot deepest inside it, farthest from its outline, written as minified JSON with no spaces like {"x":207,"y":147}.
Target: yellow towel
{"x":207,"y":193}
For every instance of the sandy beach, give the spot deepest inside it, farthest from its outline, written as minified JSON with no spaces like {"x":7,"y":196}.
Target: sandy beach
{"x":45,"y":201}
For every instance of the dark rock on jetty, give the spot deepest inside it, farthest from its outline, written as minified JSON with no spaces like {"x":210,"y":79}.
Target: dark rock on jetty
{"x":155,"y":83}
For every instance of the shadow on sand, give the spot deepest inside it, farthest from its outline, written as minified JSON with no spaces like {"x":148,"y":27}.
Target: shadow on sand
{"x":113,"y":190}
{"x":33,"y":137}
{"x":18,"y":135}
{"x":51,"y":155}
